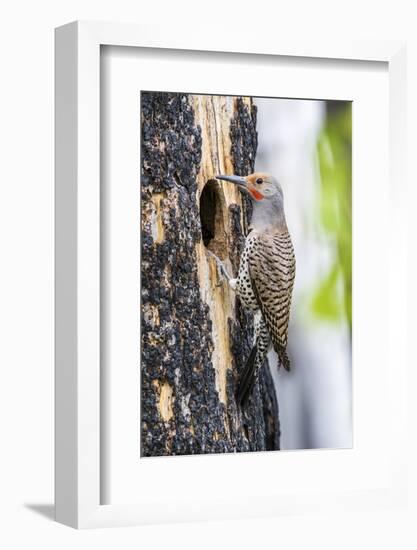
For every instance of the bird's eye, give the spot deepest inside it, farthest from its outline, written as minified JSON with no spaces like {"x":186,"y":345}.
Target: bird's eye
{"x":259,"y":180}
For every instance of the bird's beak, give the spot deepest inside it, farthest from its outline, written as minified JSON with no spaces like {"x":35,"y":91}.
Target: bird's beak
{"x":237,"y":180}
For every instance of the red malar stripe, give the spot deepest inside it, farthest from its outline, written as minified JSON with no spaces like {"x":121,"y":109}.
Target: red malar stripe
{"x":256,"y":195}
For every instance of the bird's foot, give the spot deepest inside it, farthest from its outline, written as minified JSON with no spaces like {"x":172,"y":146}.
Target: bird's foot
{"x":221,"y":269}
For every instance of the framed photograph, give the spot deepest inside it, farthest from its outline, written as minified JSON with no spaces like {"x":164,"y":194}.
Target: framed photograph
{"x":230,"y":289}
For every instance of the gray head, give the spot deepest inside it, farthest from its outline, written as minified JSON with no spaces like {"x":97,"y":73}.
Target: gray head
{"x":266,"y":195}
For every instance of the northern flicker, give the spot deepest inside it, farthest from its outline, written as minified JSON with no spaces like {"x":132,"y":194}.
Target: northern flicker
{"x":266,"y":274}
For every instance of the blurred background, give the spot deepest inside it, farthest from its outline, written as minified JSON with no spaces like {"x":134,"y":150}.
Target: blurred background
{"x":306,"y":144}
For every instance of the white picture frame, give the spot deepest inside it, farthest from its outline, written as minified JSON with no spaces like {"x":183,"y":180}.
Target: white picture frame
{"x":77,"y":69}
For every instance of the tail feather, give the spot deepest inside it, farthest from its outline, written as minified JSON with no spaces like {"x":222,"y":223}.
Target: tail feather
{"x":283,"y":359}
{"x":248,"y":378}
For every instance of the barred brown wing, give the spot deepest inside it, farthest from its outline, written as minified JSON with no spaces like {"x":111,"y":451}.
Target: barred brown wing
{"x":272,"y":271}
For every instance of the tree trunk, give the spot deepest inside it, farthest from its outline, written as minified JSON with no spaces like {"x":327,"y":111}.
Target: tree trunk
{"x":195,"y":335}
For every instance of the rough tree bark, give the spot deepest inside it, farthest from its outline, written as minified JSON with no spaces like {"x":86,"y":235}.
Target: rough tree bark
{"x":195,"y":334}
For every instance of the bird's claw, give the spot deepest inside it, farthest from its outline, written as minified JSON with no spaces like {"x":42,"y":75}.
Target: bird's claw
{"x":221,"y":270}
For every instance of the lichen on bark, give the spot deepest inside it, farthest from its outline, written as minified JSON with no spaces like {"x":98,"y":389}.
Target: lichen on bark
{"x":187,"y":399}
